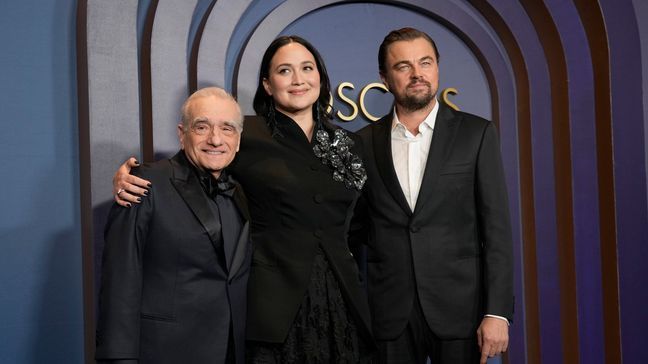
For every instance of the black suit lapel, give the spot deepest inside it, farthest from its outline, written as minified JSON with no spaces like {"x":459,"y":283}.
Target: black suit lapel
{"x":242,"y":243}
{"x":188,"y":186}
{"x":385,"y":163}
{"x":445,"y":131}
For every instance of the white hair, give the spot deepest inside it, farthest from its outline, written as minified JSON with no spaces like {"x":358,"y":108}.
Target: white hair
{"x":210,"y":91}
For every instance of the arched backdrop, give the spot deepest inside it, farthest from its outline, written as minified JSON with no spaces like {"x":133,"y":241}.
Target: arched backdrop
{"x":563,"y":80}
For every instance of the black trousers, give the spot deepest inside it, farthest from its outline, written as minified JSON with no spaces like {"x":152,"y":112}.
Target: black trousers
{"x":417,"y":343}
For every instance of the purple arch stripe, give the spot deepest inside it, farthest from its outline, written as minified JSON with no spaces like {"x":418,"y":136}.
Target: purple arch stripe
{"x":584,"y":169}
{"x":543,"y":170}
{"x":629,"y":175}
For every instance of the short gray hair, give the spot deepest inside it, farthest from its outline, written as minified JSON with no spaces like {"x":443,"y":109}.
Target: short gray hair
{"x":206,"y":92}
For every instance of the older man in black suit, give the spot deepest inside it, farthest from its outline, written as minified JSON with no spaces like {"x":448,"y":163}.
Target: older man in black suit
{"x":435,"y":219}
{"x":175,"y":267}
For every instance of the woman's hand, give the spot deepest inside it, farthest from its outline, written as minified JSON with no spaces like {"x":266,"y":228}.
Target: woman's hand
{"x":127,"y":188}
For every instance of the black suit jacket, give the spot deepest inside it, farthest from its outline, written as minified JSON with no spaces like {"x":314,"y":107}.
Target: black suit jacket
{"x":455,"y":249}
{"x":167,"y":295}
{"x":297,"y":208}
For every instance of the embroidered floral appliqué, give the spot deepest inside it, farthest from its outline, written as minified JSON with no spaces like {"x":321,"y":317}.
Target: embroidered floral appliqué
{"x":347,"y":167}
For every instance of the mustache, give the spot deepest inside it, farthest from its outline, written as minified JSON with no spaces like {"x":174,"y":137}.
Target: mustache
{"x":419,"y":82}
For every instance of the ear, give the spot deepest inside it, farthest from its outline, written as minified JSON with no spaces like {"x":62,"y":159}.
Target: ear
{"x":181,"y":135}
{"x":384,"y":80}
{"x":266,"y":86}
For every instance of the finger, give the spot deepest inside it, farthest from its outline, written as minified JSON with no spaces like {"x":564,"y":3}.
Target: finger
{"x":126,"y":197}
{"x":500,"y":347}
{"x":130,"y":185}
{"x":132,"y":162}
{"x":483,"y":359}
{"x":485,"y":351}
{"x":502,"y":344}
{"x":493,"y":352}
{"x":121,"y":202}
{"x":135,"y":184}
{"x":479,"y":337}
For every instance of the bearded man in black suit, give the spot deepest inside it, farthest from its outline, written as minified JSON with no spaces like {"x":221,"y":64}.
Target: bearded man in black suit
{"x":435,"y":218}
{"x":175,"y":267}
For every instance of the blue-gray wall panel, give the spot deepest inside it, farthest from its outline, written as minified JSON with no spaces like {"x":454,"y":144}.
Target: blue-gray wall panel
{"x":41,"y":313}
{"x":169,"y":70}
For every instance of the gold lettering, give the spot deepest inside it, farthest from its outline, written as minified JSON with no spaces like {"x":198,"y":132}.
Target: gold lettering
{"x":348,"y":101}
{"x":376,"y":85}
{"x":444,"y":97}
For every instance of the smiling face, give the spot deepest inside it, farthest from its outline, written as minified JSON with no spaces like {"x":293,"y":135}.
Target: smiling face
{"x":210,"y":135}
{"x":412,"y":73}
{"x":293,"y":80}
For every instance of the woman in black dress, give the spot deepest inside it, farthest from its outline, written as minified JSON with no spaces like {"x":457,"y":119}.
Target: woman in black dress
{"x":302,"y":177}
{"x":305,"y":303}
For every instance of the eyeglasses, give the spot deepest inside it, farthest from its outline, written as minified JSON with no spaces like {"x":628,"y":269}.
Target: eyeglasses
{"x":204,"y":128}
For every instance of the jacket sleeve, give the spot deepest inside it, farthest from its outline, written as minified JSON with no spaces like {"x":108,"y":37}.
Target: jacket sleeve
{"x":359,"y":225}
{"x":118,"y":328}
{"x":494,"y":227}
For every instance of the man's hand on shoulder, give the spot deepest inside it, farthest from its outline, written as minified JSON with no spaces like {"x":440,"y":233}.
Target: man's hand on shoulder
{"x":492,"y":337}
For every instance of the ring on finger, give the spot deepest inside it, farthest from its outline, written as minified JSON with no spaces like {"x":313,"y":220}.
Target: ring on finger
{"x":119,"y":191}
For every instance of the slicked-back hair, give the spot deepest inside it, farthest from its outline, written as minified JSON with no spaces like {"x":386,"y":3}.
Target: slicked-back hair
{"x":262,"y":101}
{"x":403,"y":34}
{"x":206,"y":92}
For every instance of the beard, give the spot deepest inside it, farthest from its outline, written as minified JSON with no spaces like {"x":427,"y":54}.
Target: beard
{"x":415,"y":102}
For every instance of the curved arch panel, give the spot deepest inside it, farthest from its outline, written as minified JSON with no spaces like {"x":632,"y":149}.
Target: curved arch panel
{"x":628,"y":143}
{"x":108,"y":124}
{"x":169,"y":71}
{"x":587,"y":307}
{"x":214,"y":43}
{"x":113,"y":90}
{"x":538,"y":139}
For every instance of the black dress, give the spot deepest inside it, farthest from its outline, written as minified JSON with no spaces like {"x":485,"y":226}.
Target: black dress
{"x":305,"y":302}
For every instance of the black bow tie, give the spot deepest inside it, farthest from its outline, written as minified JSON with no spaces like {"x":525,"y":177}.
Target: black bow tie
{"x":224,"y":185}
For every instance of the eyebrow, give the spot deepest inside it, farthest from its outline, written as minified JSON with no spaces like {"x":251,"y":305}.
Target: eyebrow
{"x":424,"y":58}
{"x":206,"y":120}
{"x":290,"y":64}
{"x":199,"y":119}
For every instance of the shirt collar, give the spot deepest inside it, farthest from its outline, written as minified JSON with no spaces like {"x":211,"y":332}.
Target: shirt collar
{"x":428,"y":122}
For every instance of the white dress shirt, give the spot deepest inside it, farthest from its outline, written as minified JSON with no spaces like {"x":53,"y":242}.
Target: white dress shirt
{"x":410,"y":153}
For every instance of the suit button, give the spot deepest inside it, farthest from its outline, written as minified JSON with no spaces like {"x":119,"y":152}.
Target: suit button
{"x":414,"y":229}
{"x":318,"y":198}
{"x":318,"y":233}
{"x":314,"y":167}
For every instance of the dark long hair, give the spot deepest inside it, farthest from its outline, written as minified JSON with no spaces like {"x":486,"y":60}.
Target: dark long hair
{"x":263,"y":104}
